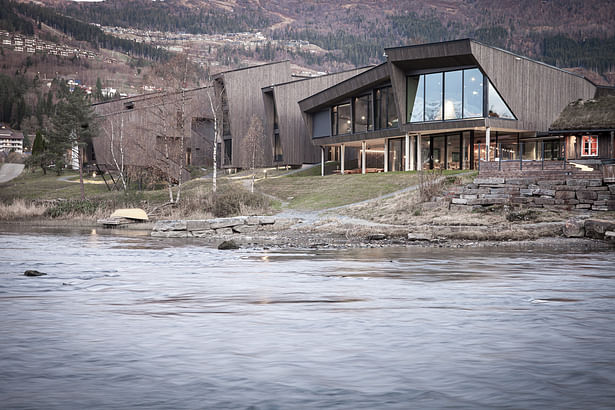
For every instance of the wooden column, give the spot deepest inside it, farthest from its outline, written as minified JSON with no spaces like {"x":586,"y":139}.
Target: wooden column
{"x":322,"y":161}
{"x":487,"y":142}
{"x":363,"y":147}
{"x":386,"y":155}
{"x":342,"y":156}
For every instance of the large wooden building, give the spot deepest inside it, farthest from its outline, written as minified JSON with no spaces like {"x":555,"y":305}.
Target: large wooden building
{"x":443,"y":105}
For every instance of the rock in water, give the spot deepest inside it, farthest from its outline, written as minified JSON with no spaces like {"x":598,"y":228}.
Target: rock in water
{"x":228,"y":245}
{"x":34,"y":273}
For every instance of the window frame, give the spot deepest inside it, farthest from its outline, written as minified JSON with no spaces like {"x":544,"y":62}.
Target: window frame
{"x":485,"y":95}
{"x":593,"y":148}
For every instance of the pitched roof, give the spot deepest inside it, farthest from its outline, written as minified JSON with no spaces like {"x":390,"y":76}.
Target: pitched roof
{"x":594,"y":114}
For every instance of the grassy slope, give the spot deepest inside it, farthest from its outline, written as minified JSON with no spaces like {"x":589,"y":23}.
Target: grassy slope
{"x":303,"y":191}
{"x":300,"y":191}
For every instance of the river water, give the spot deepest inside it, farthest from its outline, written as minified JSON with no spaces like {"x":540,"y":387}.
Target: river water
{"x":137,"y":322}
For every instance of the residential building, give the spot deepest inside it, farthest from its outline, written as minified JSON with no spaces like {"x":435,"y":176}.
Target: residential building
{"x":10,"y":140}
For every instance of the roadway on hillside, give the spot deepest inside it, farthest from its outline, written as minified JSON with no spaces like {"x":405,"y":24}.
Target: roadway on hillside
{"x":10,"y":171}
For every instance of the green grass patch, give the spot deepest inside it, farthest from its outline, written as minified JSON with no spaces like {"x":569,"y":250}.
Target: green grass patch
{"x":316,"y":192}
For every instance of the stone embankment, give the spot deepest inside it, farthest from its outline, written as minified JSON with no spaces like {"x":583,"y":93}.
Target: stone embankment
{"x":217,"y":226}
{"x":555,"y":193}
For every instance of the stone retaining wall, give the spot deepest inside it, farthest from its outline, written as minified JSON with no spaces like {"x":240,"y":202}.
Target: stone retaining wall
{"x":558,"y":193}
{"x":218,"y":226}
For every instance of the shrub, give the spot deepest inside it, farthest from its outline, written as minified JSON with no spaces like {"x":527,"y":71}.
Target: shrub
{"x":237,"y":201}
{"x":73,"y":207}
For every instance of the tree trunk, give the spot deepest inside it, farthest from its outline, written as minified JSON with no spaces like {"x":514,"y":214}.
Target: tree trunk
{"x":81,"y":173}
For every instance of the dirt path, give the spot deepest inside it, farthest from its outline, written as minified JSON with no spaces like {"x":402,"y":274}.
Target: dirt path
{"x":10,"y":171}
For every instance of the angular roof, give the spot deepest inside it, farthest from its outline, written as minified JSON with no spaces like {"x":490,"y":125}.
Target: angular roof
{"x":594,"y":114}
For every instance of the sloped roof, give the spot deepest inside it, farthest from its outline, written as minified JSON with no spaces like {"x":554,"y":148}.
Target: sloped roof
{"x":594,"y":114}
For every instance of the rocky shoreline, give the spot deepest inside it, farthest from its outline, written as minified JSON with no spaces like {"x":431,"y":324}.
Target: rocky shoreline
{"x":275,"y":232}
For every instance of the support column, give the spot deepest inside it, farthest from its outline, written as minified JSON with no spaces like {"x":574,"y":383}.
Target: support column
{"x":411,"y":151}
{"x":342,"y":154}
{"x":407,"y":152}
{"x":487,"y":143}
{"x":322,"y":161}
{"x":363,"y":147}
{"x":419,"y":158}
{"x":612,"y":144}
{"x":386,"y":155}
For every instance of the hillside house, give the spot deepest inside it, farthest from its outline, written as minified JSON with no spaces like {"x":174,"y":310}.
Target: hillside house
{"x":10,"y":140}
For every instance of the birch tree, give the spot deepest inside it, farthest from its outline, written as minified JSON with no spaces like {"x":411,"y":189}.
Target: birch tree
{"x":254,"y":138}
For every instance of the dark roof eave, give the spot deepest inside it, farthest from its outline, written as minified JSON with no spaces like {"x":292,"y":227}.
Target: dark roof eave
{"x":588,"y":130}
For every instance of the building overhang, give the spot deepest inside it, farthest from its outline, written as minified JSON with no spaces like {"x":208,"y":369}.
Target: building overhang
{"x":345,"y":89}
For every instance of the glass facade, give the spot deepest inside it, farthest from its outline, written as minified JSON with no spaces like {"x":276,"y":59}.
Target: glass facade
{"x":453,"y":91}
{"x":472,"y":93}
{"x":341,"y":120}
{"x":363,"y":114}
{"x":344,"y":122}
{"x":433,"y":97}
{"x":416,"y":87}
{"x":453,"y":95}
{"x":385,"y":108}
{"x":497,"y":106}
{"x":397,"y":156}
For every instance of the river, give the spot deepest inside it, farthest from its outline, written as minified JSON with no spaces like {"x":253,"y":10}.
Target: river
{"x":136,"y":322}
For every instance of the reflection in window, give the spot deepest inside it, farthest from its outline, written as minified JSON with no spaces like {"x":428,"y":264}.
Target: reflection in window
{"x":334,"y":120}
{"x":452,"y":95}
{"x":386,"y":109}
{"x":344,"y":120}
{"x":392,"y":120}
{"x":433,"y":97}
{"x":472,"y":93}
{"x":416,"y":92}
{"x":497,"y":106}
{"x":363,"y":114}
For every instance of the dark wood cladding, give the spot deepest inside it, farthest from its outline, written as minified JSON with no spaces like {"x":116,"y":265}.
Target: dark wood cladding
{"x":535,"y":92}
{"x":365,"y":136}
{"x":245,"y":99}
{"x":145,"y":118}
{"x":345,"y":89}
{"x":431,"y":51}
{"x":294,"y":136}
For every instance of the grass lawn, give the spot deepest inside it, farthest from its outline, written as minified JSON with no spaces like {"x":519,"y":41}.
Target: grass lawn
{"x":317,"y":193}
{"x":34,"y":185}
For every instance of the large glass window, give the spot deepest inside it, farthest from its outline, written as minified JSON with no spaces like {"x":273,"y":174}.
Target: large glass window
{"x":453,"y":154}
{"x":416,"y":94}
{"x":433,"y":97}
{"x":472,"y":93}
{"x":452,"y":94}
{"x":277,"y":148}
{"x":497,"y":106}
{"x":385,"y":108}
{"x":363,"y":114}
{"x":340,"y":119}
{"x":396,"y":154}
{"x":392,"y":120}
{"x":344,"y":119}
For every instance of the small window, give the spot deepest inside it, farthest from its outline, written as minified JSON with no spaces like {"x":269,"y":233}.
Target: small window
{"x":590,"y":146}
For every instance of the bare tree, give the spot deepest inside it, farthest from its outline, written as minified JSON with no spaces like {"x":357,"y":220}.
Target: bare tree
{"x":114,"y":127}
{"x":215,"y":93}
{"x":254,"y":139}
{"x":171,"y":113}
